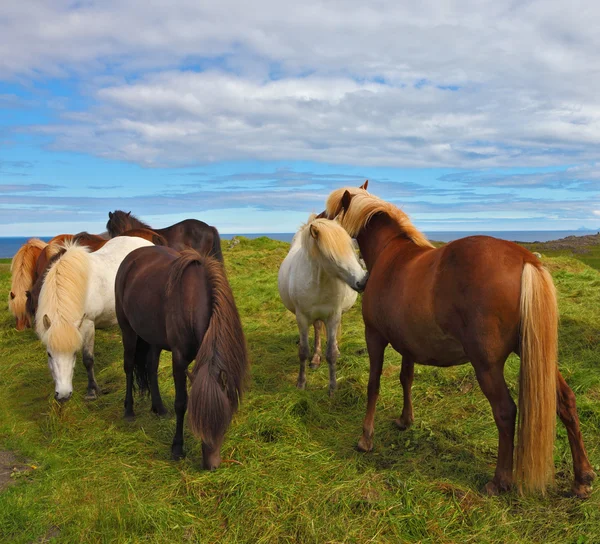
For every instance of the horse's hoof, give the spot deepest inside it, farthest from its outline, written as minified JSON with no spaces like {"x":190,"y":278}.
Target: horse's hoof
{"x":129,"y":416}
{"x":91,"y":395}
{"x":301,"y":385}
{"x":316,"y":362}
{"x":402,"y":425}
{"x":490,"y":489}
{"x":364,"y":445}
{"x":160,"y":412}
{"x":332,"y":391}
{"x":177,"y":455}
{"x":314,"y":366}
{"x":581,"y":491}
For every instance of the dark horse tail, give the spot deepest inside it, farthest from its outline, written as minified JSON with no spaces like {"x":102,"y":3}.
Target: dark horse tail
{"x":222,"y":361}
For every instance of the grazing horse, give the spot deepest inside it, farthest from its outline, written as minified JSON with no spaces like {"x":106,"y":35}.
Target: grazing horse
{"x":182,"y":302}
{"x":23,"y":276}
{"x":77,"y":295}
{"x":476,"y":299}
{"x":318,"y":280}
{"x":190,"y":233}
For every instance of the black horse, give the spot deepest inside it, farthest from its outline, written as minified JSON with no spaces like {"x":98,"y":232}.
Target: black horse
{"x":190,"y":233}
{"x":182,"y":302}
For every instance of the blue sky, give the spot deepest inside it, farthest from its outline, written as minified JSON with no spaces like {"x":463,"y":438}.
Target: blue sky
{"x":468,"y":115}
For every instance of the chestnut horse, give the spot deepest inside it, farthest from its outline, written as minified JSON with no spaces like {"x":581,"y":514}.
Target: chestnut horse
{"x":190,"y":233}
{"x":476,"y":299}
{"x":182,"y":302}
{"x":23,"y":276}
{"x":92,"y":241}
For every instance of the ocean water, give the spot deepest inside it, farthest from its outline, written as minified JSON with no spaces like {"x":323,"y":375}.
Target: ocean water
{"x":10,"y":245}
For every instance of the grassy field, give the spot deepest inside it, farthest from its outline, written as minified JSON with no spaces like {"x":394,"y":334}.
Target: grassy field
{"x":290,"y":471}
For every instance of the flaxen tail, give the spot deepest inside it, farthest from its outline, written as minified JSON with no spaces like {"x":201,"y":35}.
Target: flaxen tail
{"x":222,"y":361}
{"x":537,"y":381}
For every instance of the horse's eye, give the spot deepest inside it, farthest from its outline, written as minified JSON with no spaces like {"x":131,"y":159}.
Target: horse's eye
{"x":49,"y":355}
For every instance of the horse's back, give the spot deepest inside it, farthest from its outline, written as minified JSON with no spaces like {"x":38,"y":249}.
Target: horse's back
{"x":194,"y":234}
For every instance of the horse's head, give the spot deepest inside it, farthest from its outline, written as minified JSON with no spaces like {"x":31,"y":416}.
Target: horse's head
{"x":62,"y":340}
{"x":22,"y":319}
{"x":328,"y":243}
{"x":119,"y":222}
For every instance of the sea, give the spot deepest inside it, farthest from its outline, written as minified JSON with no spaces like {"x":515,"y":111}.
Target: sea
{"x":10,"y":245}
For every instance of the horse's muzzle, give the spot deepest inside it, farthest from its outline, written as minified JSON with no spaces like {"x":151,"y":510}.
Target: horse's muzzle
{"x":64,"y":398}
{"x":360,"y":285}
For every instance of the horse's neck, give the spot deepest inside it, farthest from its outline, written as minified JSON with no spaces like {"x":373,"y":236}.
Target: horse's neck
{"x":373,"y":240}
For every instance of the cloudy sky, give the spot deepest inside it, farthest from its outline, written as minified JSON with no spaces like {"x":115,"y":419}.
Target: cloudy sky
{"x":471,"y":115}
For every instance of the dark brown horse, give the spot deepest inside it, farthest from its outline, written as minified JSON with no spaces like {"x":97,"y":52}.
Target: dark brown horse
{"x":190,"y":233}
{"x":476,"y":299}
{"x":182,"y":302}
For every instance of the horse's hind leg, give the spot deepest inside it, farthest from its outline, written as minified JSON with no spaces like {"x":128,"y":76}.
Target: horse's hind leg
{"x":181,"y":398}
{"x":316,"y":360}
{"x":376,"y":345}
{"x":567,"y":411}
{"x":303,"y":350}
{"x":491,"y":381}
{"x":88,"y":332}
{"x":333,"y":352}
{"x":152,"y":362}
{"x":129,"y":349}
{"x":406,"y":379}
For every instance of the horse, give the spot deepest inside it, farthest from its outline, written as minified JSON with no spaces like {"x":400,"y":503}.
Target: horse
{"x":77,"y":295}
{"x":48,"y":252}
{"x":182,"y":302}
{"x":318,"y":281}
{"x":476,"y":299}
{"x":93,"y":241}
{"x":188,"y":233}
{"x":23,"y":276}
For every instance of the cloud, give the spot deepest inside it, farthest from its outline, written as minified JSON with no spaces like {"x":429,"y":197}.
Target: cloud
{"x":10,"y":189}
{"x":467,"y":85}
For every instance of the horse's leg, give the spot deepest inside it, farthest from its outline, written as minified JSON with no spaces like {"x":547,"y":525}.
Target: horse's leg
{"x":303,"y":349}
{"x":491,"y":381}
{"x":567,"y":411}
{"x":376,"y":345}
{"x":316,"y":360}
{"x":129,"y":349}
{"x":181,"y":397}
{"x":332,"y":350}
{"x":153,"y":359}
{"x":406,"y":379}
{"x":88,"y":333}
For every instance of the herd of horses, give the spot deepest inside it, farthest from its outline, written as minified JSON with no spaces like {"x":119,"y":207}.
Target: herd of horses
{"x":477,"y":299}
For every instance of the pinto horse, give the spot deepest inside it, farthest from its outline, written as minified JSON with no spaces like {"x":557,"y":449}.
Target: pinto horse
{"x":190,"y":233}
{"x":182,"y":302}
{"x":476,"y":299}
{"x":23,"y":275}
{"x":318,"y":281}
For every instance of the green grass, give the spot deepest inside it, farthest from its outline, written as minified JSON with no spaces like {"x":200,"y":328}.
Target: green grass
{"x":290,"y":470}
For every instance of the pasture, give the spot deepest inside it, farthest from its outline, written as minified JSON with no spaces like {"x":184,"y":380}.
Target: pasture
{"x":290,"y":470}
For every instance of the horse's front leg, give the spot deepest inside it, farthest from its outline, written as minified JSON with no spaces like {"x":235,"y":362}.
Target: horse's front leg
{"x":333,"y":353}
{"x":181,"y":397}
{"x":88,"y":333}
{"x":376,"y":345}
{"x":303,"y":349}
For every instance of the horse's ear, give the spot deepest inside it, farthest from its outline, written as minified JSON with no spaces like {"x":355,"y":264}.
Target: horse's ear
{"x":346,"y":200}
{"x":314,"y":232}
{"x":364,"y":185}
{"x":46,"y":321}
{"x":12,"y":295}
{"x":110,"y":214}
{"x":128,"y":214}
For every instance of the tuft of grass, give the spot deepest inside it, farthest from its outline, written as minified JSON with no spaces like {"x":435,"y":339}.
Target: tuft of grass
{"x":290,"y":470}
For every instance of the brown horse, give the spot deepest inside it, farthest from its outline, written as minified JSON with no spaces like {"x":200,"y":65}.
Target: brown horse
{"x":190,"y":233}
{"x":95,"y":241}
{"x":23,"y":276}
{"x":182,"y":302}
{"x":476,"y":299}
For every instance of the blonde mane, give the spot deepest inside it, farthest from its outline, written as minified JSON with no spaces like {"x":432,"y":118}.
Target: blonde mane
{"x":62,"y":300}
{"x":22,"y":270}
{"x":327,"y":237}
{"x":363,"y":207}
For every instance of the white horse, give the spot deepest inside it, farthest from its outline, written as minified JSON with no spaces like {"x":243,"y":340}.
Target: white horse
{"x":318,"y":280}
{"x":77,"y":296}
